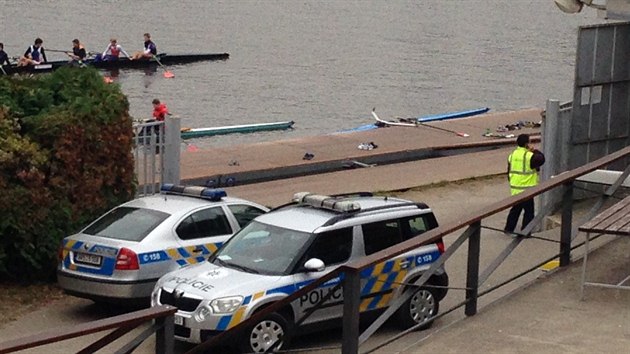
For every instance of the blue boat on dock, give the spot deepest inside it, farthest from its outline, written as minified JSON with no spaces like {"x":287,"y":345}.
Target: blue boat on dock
{"x":453,"y":115}
{"x":424,"y":119}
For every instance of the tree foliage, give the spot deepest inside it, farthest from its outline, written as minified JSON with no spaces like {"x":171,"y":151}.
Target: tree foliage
{"x":65,"y":158}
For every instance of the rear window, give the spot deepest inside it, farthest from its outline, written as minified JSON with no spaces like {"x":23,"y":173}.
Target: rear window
{"x":126,"y":223}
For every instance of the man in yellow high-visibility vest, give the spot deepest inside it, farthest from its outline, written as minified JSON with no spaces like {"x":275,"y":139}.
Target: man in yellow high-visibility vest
{"x":523,"y":165}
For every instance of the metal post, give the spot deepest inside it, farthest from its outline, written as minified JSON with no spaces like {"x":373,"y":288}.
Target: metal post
{"x":165,"y":335}
{"x":172,"y":144}
{"x":567,"y":221}
{"x":583,"y":278}
{"x":550,"y":147}
{"x":351,"y":302}
{"x":564,"y":139}
{"x":550,"y":141}
{"x":472,"y":275}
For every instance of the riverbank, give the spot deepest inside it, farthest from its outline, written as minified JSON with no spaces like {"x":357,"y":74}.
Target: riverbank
{"x":289,"y":158}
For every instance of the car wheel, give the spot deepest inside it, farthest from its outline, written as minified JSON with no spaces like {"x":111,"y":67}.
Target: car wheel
{"x":264,"y":333}
{"x":421,"y":306}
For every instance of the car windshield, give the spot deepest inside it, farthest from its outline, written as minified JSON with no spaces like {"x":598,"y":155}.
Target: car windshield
{"x":262,"y":248}
{"x":126,"y":223}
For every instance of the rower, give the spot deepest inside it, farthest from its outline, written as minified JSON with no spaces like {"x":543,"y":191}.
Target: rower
{"x":78,"y":53}
{"x":159,"y":110}
{"x":150,"y":50}
{"x":113,"y":50}
{"x":4,"y":58}
{"x":34,"y":55}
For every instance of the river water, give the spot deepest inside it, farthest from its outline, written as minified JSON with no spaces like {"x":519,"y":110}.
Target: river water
{"x":322,"y":64}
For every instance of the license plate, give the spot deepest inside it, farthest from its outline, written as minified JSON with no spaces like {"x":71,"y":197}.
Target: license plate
{"x":88,"y":259}
{"x":179,"y":320}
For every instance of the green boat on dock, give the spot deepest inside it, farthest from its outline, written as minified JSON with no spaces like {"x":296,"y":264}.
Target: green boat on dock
{"x":189,"y":133}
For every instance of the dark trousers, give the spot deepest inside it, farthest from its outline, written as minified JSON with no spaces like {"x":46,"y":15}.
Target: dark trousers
{"x":515,"y":213}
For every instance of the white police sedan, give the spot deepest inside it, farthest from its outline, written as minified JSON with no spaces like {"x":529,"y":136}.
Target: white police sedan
{"x":282,"y":251}
{"x":122,"y":254}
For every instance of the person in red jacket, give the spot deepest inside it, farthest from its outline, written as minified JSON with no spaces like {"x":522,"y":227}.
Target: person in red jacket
{"x":159,"y":110}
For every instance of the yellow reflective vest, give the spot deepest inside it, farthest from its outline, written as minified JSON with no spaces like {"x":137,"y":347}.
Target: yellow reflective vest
{"x":521,"y":175}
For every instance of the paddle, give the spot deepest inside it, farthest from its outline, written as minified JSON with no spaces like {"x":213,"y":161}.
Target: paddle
{"x":463,"y":135}
{"x":167,"y":74}
{"x":190,"y":147}
{"x":56,"y":50}
{"x":68,"y":53}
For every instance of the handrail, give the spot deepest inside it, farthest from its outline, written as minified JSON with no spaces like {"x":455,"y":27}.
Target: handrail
{"x":131,"y":319}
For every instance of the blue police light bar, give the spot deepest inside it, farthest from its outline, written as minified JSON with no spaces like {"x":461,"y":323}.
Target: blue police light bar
{"x":212,"y":194}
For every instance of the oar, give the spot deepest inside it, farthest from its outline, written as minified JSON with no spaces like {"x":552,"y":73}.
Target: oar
{"x":416,"y":122}
{"x":190,"y":147}
{"x":464,"y":135}
{"x":167,"y":74}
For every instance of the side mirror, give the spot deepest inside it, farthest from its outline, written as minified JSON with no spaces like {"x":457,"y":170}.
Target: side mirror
{"x":314,"y":265}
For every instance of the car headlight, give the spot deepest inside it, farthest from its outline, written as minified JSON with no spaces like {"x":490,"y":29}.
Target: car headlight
{"x":201,"y":313}
{"x":226,"y":304}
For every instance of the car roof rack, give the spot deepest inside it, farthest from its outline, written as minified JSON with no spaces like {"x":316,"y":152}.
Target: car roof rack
{"x":341,"y":195}
{"x":335,"y":219}
{"x":355,"y":194}
{"x":212,"y":194}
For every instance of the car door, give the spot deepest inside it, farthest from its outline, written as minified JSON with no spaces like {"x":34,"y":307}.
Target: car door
{"x":333,"y":248}
{"x":200,"y":234}
{"x":379,"y":281}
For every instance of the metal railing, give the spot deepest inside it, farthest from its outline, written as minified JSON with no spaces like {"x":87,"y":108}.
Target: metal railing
{"x":162,"y":327}
{"x":157,"y":154}
{"x":149,"y":161}
{"x":350,"y":273}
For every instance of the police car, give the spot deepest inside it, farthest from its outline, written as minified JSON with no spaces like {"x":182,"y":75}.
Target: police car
{"x":281,"y":251}
{"x":122,"y":254}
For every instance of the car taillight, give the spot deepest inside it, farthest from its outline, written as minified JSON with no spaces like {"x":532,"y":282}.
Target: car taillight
{"x":60,"y":253}
{"x":440,"y":246}
{"x":127,"y":260}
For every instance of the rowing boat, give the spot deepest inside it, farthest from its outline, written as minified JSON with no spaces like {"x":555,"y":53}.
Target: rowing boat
{"x":413,"y":122}
{"x":189,"y":133}
{"x":165,"y":59}
{"x":452,"y":115}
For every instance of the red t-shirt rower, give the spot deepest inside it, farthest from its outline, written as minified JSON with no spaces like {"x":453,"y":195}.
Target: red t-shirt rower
{"x":159,"y":110}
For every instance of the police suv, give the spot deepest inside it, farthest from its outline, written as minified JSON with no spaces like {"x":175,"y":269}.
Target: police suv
{"x":291,"y":246}
{"x":121,"y":255}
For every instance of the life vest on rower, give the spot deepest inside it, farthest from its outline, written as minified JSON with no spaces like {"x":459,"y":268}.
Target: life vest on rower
{"x":114,"y":51}
{"x":159,"y":111}
{"x":35,"y":53}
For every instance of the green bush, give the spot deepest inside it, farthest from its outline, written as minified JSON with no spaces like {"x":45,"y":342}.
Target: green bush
{"x":65,"y":158}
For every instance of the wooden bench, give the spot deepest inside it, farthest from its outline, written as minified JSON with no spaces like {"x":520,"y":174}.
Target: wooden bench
{"x":613,"y":221}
